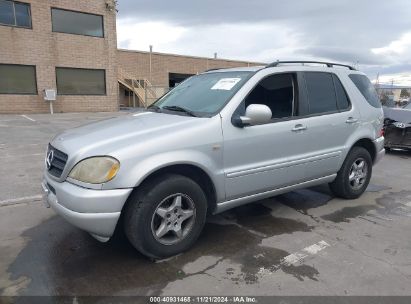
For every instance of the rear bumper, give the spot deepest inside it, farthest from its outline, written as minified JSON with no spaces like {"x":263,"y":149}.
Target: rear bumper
{"x":95,"y":211}
{"x":397,"y":137}
{"x":379,"y":148}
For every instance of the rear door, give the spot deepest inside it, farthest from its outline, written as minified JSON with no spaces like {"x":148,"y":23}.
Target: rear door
{"x":330,"y":119}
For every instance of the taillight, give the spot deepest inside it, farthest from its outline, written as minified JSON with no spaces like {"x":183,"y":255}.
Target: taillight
{"x":381,"y":132}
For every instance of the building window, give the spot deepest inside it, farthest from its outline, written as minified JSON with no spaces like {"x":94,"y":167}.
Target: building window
{"x":18,"y":79}
{"x":14,"y":13}
{"x":64,"y":21}
{"x":74,"y":81}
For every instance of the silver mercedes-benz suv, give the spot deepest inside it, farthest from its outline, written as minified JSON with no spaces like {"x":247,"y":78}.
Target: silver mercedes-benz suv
{"x":218,"y":140}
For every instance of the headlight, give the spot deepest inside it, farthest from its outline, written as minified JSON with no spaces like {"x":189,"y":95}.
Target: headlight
{"x":95,"y":170}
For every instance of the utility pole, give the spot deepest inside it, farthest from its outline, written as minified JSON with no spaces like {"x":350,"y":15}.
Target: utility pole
{"x":151,"y":51}
{"x":377,"y":86}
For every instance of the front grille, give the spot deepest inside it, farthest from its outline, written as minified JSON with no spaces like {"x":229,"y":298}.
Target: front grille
{"x":58,"y":162}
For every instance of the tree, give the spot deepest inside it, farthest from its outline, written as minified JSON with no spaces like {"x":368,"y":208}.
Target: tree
{"x":404,"y":93}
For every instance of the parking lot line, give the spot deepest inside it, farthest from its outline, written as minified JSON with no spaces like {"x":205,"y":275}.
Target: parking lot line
{"x":20,"y":156}
{"x":29,"y":118}
{"x":300,"y":255}
{"x":20,"y":200}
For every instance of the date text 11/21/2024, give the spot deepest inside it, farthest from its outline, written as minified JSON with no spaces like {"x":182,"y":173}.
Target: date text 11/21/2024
{"x":204,"y":299}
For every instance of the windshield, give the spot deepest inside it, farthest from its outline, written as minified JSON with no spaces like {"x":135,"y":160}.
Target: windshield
{"x":204,"y":94}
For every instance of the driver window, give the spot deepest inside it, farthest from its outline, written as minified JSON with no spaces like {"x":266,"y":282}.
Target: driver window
{"x":277,"y":93}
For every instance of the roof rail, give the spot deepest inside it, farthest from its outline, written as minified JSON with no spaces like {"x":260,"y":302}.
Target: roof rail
{"x":328,"y":64}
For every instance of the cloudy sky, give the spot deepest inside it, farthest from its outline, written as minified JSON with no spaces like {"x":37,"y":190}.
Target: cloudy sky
{"x":374,"y":34}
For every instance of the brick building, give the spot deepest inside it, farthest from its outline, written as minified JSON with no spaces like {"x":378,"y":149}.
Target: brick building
{"x":70,"y":46}
{"x":49,"y":44}
{"x":159,"y":72}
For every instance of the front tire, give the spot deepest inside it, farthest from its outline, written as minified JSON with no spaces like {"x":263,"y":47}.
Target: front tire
{"x":354,"y":175}
{"x":165,"y":216}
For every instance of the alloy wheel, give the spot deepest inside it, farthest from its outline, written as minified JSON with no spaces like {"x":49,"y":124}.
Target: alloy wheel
{"x":173,"y":219}
{"x":358,"y":173}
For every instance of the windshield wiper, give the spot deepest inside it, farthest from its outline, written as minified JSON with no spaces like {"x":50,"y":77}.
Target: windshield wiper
{"x":180,"y":109}
{"x":154,"y":107}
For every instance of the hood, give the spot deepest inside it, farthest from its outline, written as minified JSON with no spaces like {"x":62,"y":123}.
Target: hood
{"x":104,"y":136}
{"x":398,"y":115}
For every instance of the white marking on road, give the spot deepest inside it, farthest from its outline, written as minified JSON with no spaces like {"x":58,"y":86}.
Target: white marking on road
{"x":29,"y":118}
{"x":295,"y":258}
{"x":307,"y":251}
{"x":314,"y":249}
{"x":20,"y":200}
{"x":21,"y":156}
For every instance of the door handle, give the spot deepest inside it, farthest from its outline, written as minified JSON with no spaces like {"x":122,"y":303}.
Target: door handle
{"x":351,"y":120}
{"x":299,"y":127}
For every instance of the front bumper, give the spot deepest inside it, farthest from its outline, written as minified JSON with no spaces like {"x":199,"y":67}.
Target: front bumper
{"x":95,"y":211}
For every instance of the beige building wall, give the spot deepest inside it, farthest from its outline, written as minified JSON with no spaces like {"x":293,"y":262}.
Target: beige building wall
{"x":45,"y":49}
{"x":137,"y":64}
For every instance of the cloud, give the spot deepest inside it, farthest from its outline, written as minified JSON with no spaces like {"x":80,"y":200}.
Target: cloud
{"x":131,"y":35}
{"x":397,"y":51}
{"x":373,"y":33}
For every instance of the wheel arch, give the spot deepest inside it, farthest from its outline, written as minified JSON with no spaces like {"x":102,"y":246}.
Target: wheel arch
{"x":194,"y":172}
{"x":368,"y":145}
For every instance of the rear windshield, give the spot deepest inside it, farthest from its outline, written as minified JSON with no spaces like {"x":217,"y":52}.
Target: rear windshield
{"x":366,"y":88}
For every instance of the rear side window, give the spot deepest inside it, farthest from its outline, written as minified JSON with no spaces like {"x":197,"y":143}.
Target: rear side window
{"x":321,"y":94}
{"x":342,"y":98}
{"x":366,"y":88}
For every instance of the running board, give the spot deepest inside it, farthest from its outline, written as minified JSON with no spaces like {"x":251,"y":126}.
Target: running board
{"x":255,"y":197}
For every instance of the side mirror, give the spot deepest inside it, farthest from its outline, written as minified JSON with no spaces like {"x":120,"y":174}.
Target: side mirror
{"x":255,"y":114}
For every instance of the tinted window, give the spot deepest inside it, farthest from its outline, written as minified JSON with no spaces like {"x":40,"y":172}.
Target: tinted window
{"x":22,"y":15}
{"x":366,"y":88}
{"x":342,"y":98}
{"x":17,"y":79}
{"x":15,"y":13}
{"x":321,"y":94}
{"x":77,"y":23}
{"x":276,"y":92}
{"x":80,"y":81}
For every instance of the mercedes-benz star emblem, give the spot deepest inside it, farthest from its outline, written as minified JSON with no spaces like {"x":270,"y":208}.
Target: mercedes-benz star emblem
{"x":49,"y":159}
{"x":399,"y":125}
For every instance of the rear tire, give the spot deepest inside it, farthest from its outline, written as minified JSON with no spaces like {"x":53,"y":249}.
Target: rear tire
{"x":165,"y":216}
{"x":354,"y":175}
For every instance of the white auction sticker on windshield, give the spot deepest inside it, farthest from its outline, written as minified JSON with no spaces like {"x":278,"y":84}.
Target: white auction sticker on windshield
{"x":225,"y":84}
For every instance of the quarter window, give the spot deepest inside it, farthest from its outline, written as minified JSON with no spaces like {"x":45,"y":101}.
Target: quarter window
{"x":14,"y":13}
{"x":321,"y":94}
{"x":366,"y":88}
{"x":17,"y":79}
{"x":72,"y":81}
{"x":342,"y":98}
{"x":64,"y":21}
